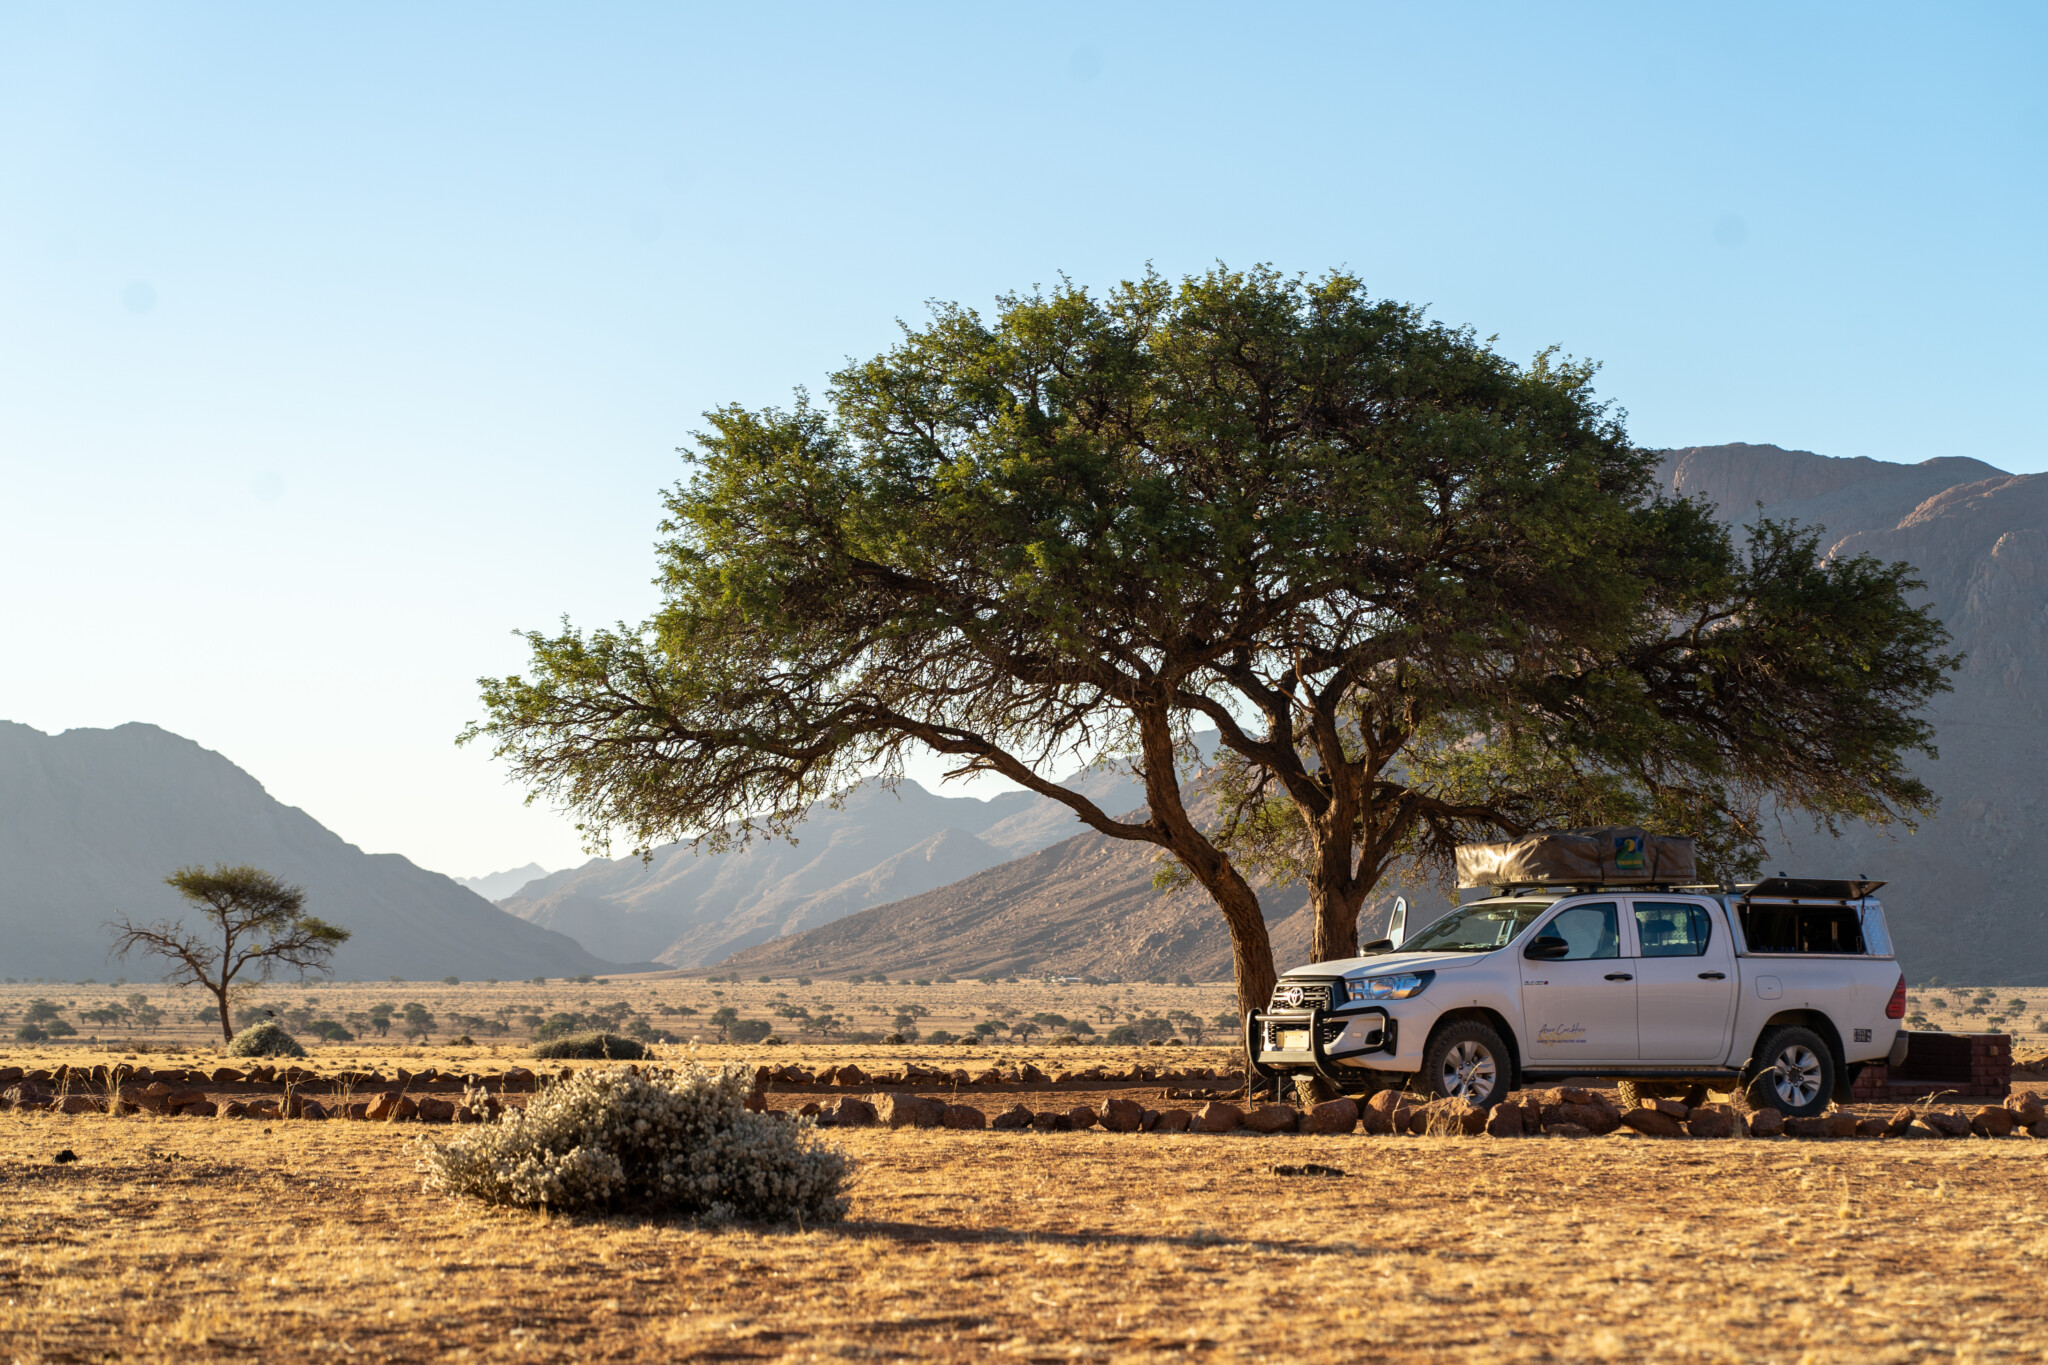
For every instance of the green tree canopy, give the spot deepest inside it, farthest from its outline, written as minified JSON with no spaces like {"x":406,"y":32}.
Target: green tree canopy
{"x":256,"y":923}
{"x":1423,"y":593}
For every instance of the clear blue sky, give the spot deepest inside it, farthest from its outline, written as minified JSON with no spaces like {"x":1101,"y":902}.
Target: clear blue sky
{"x":337,"y":342}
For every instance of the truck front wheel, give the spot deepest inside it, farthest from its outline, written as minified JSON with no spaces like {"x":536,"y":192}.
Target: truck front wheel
{"x":1466,"y":1059}
{"x":1792,"y":1072}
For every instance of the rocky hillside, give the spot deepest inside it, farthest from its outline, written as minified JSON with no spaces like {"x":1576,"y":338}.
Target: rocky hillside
{"x":1084,"y":907}
{"x":1964,"y":900}
{"x":91,"y":821}
{"x":689,"y":908}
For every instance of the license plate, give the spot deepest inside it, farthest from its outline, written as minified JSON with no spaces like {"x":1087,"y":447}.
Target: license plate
{"x":1293,"y":1040}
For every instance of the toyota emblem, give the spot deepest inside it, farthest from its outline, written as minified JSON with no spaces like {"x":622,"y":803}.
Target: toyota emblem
{"x":1292,"y":995}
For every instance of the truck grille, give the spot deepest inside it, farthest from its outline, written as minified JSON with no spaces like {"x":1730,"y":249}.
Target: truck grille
{"x":1321,"y":994}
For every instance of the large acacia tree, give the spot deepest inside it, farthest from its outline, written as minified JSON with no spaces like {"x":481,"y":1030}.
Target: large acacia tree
{"x":1422,"y":592}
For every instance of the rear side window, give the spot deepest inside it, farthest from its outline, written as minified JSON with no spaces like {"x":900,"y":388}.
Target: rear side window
{"x":1803,"y":929}
{"x":1672,"y":929}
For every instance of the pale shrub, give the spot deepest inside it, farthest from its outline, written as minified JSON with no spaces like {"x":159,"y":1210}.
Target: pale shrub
{"x":267,"y":1039}
{"x":675,"y":1140}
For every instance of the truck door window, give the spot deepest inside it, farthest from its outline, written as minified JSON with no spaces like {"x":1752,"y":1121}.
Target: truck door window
{"x":1672,"y":929}
{"x":1591,"y":930}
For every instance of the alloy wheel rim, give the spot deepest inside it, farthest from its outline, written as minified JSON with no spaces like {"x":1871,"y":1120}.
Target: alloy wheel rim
{"x":1468,"y":1071}
{"x":1796,"y":1075}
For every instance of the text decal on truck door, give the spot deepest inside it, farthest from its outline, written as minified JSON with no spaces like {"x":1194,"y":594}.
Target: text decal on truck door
{"x":1561,"y":1033}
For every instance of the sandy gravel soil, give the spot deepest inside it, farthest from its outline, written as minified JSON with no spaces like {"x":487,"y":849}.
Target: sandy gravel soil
{"x":194,"y":1239}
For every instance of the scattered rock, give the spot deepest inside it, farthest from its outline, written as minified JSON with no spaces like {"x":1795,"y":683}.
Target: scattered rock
{"x":2027,"y":1108}
{"x":756,"y":1102}
{"x":1836,"y":1125}
{"x":1917,"y":1130}
{"x":1598,"y":1118}
{"x":1217,"y":1117}
{"x":1175,"y":1121}
{"x":1677,"y":1109}
{"x":1015,"y":1117}
{"x":428,"y":1109}
{"x":1900,"y":1122}
{"x":849,"y":1076}
{"x":1309,"y":1168}
{"x":79,"y":1104}
{"x":1873,"y":1128}
{"x":1332,"y":1116}
{"x":1123,"y":1116}
{"x":1505,"y":1121}
{"x":2039,"y":1130}
{"x":358,"y":1111}
{"x":849,"y":1111}
{"x":1656,"y":1123}
{"x":1031,"y":1075}
{"x":1149,"y":1122}
{"x":1993,"y":1121}
{"x":384,"y":1108}
{"x":1950,"y":1123}
{"x":517,"y":1079}
{"x":1714,"y":1121}
{"x":1767,"y":1123}
{"x":1454,"y":1116}
{"x":65,"y":1157}
{"x":234,"y":1109}
{"x":1272,"y":1118}
{"x":199,"y":1109}
{"x":900,"y":1109}
{"x":1567,"y":1130}
{"x":263,"y":1109}
{"x":1082,"y":1117}
{"x":313,"y":1109}
{"x":962,"y":1116}
{"x":1053,"y":1121}
{"x":1377,"y":1115}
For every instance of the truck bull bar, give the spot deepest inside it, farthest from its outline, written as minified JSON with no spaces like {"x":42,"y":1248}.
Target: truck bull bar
{"x":1320,"y":1060}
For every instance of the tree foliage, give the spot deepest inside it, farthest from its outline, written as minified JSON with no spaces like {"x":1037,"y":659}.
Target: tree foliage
{"x":1424,"y":594}
{"x":255,"y":923}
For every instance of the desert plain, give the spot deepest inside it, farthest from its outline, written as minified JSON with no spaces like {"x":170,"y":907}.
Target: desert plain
{"x":183,"y":1238}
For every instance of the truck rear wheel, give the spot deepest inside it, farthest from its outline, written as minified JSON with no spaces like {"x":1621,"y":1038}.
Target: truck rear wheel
{"x":1792,"y":1072}
{"x":1466,"y":1059}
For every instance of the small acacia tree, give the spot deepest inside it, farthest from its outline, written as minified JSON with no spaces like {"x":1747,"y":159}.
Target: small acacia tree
{"x":257,"y":923}
{"x":1423,"y":594}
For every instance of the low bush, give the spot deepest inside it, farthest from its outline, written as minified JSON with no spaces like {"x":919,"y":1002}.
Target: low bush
{"x":593,"y":1047}
{"x":267,"y":1039}
{"x":678,"y":1141}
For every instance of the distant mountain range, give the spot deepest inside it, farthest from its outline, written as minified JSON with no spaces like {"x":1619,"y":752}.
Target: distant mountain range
{"x":908,"y":880}
{"x":494,"y":886}
{"x":689,"y":908}
{"x":91,"y":822}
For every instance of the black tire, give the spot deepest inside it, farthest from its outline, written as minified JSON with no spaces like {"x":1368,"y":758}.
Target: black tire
{"x":1311,"y":1090}
{"x":1792,"y":1071}
{"x":1467,"y":1058}
{"x":1633,"y":1093}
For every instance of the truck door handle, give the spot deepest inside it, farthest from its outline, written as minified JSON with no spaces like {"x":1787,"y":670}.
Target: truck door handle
{"x":1713,"y":976}
{"x":1619,"y":976}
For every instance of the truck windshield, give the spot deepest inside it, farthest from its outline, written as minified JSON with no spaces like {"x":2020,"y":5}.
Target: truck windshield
{"x":1479,"y":927}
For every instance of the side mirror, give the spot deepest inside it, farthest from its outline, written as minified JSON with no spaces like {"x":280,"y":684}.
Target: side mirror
{"x":1378,"y":945}
{"x":1548,"y":948}
{"x":1397,"y":923}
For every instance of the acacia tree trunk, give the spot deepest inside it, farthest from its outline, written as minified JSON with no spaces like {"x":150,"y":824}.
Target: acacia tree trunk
{"x":220,"y":993}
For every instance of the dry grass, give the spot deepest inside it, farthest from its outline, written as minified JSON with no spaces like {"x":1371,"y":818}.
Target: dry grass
{"x":198,"y":1239}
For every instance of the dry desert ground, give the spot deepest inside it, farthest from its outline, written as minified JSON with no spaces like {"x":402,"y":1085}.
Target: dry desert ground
{"x":198,"y":1239}
{"x":184,"y":1238}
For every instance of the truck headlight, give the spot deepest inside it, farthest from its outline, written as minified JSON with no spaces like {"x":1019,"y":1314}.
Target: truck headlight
{"x":1399,"y":986}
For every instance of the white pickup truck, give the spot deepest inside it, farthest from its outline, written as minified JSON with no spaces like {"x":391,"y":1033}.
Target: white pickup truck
{"x":1784,"y":989}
